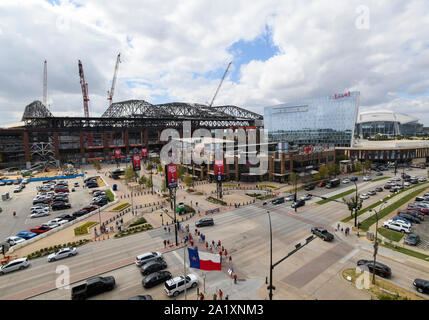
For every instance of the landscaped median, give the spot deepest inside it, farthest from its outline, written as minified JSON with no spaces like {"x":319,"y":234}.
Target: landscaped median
{"x":409,"y":252}
{"x":83,"y":229}
{"x":47,"y":251}
{"x":133,"y":230}
{"x":372,"y":206}
{"x":391,"y":234}
{"x":367,"y":223}
{"x":337,"y":196}
{"x":121,"y":207}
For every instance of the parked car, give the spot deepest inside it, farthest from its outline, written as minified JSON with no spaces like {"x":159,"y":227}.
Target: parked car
{"x":321,"y":184}
{"x":39,"y":229}
{"x":387,"y":186}
{"x":290,"y":197}
{"x":93,"y":287}
{"x":17,"y":264}
{"x":153,"y":266}
{"x":298,"y":204}
{"x":63,"y":253}
{"x":421,"y":285}
{"x":14,"y":240}
{"x":322,"y":233}
{"x":367,"y":178}
{"x":92,"y":185}
{"x":156,"y":278}
{"x":354,"y":179}
{"x":397,"y":226}
{"x":345,"y":181}
{"x":60,"y":206}
{"x":38,"y":214}
{"x":379,"y":174}
{"x":409,"y":217}
{"x":58,"y":221}
{"x":372,"y":192}
{"x":50,"y":225}
{"x":402,"y":219}
{"x":306,"y":197}
{"x":176,"y":285}
{"x":79,"y":213}
{"x":26,"y":234}
{"x":412,"y":239}
{"x":90,"y":208}
{"x":309,"y":187}
{"x":204,"y":222}
{"x":66,"y":217}
{"x":364,"y":196}
{"x":380,"y":268}
{"x":414,"y":213}
{"x":379,"y":189}
{"x":141,"y":297}
{"x":146,"y":257}
{"x":407,"y":184}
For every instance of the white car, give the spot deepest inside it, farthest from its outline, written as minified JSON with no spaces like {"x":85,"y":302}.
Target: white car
{"x":421,"y":179}
{"x":397,"y":179}
{"x":290,"y":197}
{"x":407,"y":184}
{"x":14,"y":240}
{"x":146,"y":257}
{"x":58,"y":221}
{"x":176,"y":285}
{"x":63,"y":253}
{"x":364,"y":196}
{"x":397,"y":225}
{"x":39,"y":214}
{"x":345,"y":181}
{"x":50,"y":225}
{"x":306,"y":197}
{"x":14,"y":265}
{"x":367,"y":178}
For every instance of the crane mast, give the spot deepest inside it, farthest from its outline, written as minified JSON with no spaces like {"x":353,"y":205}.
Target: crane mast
{"x":112,"y":90}
{"x":84,"y":87}
{"x":220,"y":84}
{"x":45,"y":83}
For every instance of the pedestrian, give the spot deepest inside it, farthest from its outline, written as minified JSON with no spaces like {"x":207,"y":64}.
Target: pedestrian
{"x":201,"y":296}
{"x":165,"y":228}
{"x":192,"y":243}
{"x":165,"y":243}
{"x":235,"y":278}
{"x":220,"y":294}
{"x":207,"y":245}
{"x":338,"y":227}
{"x":219,"y":243}
{"x":214,"y":296}
{"x":226,"y":253}
{"x":168,"y":229}
{"x":213,"y":243}
{"x":222,"y":249}
{"x":227,"y":297}
{"x":196,"y":231}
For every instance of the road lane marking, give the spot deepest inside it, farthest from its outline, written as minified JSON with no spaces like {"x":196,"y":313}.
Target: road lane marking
{"x":350,"y":255}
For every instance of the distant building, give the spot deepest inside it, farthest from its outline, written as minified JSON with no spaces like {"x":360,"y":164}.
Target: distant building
{"x":387,"y":123}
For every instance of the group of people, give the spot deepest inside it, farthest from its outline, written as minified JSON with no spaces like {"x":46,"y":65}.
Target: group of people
{"x":346,"y":230}
{"x":219,"y":293}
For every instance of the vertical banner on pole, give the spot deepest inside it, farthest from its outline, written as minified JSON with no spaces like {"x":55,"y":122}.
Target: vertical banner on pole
{"x":171,"y":172}
{"x":144,"y":152}
{"x":219,"y":170}
{"x":136,"y":162}
{"x":117,"y":153}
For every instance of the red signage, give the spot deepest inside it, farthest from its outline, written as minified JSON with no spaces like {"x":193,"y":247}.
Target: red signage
{"x":308,"y":149}
{"x":171,"y":170}
{"x":144,"y":152}
{"x":136,"y":162}
{"x":219,"y":169}
{"x":117,"y":154}
{"x":339,"y":96}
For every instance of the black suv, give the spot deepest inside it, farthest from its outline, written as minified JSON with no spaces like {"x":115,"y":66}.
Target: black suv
{"x":66,"y":217}
{"x":421,"y":285}
{"x":297,"y":204}
{"x":204,"y":222}
{"x":60,"y":205}
{"x":322,"y":233}
{"x":379,"y":189}
{"x":153,"y":266}
{"x":380,"y":268}
{"x":156,"y":278}
{"x":309,"y":187}
{"x":79,"y":213}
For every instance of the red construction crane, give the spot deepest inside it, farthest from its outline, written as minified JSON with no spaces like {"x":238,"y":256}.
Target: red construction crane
{"x":112,"y":90}
{"x":84,"y":87}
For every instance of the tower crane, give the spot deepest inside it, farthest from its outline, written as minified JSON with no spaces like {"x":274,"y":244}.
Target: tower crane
{"x":45,"y":83}
{"x":221,"y":81}
{"x":84,"y":87}
{"x":112,"y":90}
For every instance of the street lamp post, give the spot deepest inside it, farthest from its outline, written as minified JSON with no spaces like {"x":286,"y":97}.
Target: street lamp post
{"x":375,"y":241}
{"x":271,"y":259}
{"x":356,"y":204}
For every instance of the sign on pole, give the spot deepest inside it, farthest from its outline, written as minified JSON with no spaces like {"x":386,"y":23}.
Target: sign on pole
{"x":171,"y":172}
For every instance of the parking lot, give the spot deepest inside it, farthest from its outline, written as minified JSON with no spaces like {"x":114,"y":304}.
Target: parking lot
{"x":22,"y":202}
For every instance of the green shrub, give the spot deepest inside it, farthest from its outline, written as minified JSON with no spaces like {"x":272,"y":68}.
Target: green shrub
{"x":83,"y":229}
{"x":138,"y":222}
{"x":109,"y":193}
{"x":121,"y":207}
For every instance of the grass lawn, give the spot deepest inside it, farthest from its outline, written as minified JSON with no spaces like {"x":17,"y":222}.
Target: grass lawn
{"x":371,"y":220}
{"x":83,"y":229}
{"x":391,"y":234}
{"x":343,"y":194}
{"x":381,"y":178}
{"x":121,"y":207}
{"x":409,"y":252}
{"x":109,"y":193}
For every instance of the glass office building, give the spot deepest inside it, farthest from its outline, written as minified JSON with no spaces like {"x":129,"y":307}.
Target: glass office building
{"x":329,"y":120}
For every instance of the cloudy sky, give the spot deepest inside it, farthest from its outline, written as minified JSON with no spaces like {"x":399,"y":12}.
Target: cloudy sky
{"x":281,"y":51}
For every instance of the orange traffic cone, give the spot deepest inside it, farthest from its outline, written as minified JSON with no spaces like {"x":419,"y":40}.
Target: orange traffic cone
{"x":99,"y":239}
{"x":103,"y":236}
{"x":95,"y":239}
{"x":108,"y":236}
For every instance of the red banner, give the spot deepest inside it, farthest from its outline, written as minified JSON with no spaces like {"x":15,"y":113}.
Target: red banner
{"x":136,"y":162}
{"x":144,"y":152}
{"x":117,"y":154}
{"x":171,"y":170}
{"x":219,"y":169}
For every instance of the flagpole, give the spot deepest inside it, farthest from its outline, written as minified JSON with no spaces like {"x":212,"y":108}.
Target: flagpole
{"x":184,"y":265}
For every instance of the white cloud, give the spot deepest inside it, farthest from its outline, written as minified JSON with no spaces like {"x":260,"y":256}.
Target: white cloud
{"x":163,"y":44}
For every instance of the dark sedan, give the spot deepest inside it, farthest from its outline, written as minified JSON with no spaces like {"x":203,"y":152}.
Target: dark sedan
{"x":380,"y":268}
{"x":156,"y":278}
{"x":412,"y":239}
{"x":379,"y":189}
{"x":421,"y":285}
{"x":153,"y":266}
{"x":60,"y":206}
{"x":322,"y":233}
{"x":79,"y":213}
{"x":298,"y":204}
{"x":141,"y":297}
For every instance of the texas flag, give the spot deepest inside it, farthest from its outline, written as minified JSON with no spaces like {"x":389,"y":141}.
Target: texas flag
{"x":203,"y":260}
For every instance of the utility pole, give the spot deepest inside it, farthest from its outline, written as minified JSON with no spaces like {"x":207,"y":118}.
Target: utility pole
{"x":184,"y":266}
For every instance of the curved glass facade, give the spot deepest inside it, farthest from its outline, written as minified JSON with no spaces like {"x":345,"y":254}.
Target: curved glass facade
{"x":389,"y":128}
{"x":328,"y":120}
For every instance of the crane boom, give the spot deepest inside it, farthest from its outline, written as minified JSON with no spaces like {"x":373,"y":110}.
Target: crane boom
{"x":45,"y":83}
{"x":112,"y":90}
{"x":84,"y":87}
{"x":220,"y":84}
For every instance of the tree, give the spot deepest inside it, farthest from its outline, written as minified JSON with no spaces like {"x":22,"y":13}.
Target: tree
{"x":331,"y":169}
{"x":164,"y":186}
{"x":323,"y":171}
{"x":367,"y":165}
{"x":180,"y":170}
{"x":129,"y":174}
{"x":149,"y":183}
{"x":188,"y":180}
{"x":358,"y":166}
{"x":352,"y":204}
{"x":317,"y":176}
{"x":160,"y":169}
{"x":292,"y":177}
{"x":97,"y":164}
{"x":142,"y":180}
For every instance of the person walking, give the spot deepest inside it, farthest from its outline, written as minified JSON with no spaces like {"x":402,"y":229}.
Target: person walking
{"x":201,"y":296}
{"x":207,"y":245}
{"x":168,"y":229}
{"x":226,"y":253}
{"x":220,"y":294}
{"x":230,"y":259}
{"x":227,"y":297}
{"x":165,"y":243}
{"x":235,"y":278}
{"x":214,"y":296}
